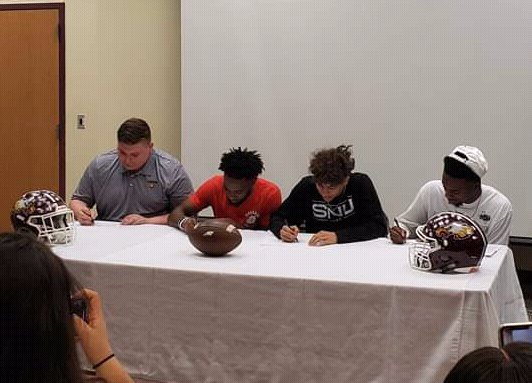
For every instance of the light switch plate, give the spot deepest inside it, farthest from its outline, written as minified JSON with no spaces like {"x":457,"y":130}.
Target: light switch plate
{"x":81,"y":121}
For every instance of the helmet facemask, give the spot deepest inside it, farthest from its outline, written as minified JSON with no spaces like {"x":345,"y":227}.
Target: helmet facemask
{"x":419,"y":252}
{"x":56,"y":227}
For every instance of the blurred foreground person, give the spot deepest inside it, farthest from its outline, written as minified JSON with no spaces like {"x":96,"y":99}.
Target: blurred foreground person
{"x":38,"y":327}
{"x":509,"y":364}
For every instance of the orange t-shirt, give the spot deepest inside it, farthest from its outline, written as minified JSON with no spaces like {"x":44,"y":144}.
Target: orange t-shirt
{"x":253,"y":213}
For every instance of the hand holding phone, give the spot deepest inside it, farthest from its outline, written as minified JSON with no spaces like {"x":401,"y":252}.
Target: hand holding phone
{"x":78,"y":306}
{"x":92,"y":334}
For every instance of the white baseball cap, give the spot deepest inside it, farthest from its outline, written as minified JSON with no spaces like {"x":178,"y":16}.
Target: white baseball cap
{"x":472,"y":158}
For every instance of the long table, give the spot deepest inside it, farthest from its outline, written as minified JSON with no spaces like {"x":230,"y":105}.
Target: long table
{"x":286,"y":312}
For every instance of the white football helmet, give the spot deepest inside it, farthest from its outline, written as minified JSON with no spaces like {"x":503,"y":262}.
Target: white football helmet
{"x":45,"y":214}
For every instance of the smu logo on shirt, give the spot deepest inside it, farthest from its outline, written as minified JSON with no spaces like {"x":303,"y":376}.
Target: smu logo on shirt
{"x":322,"y":211}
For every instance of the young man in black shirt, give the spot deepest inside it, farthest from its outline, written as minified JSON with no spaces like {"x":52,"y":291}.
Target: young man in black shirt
{"x":336,"y":204}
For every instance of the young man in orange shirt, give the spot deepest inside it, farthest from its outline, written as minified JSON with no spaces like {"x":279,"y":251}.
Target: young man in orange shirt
{"x":238,"y":194}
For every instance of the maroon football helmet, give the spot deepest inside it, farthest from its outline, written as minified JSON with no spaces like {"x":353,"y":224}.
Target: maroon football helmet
{"x":45,"y":214}
{"x":450,"y":240}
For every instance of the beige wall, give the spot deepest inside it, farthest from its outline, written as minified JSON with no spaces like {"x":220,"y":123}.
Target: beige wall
{"x":122,"y":60}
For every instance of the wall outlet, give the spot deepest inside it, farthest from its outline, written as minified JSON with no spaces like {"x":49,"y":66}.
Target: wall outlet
{"x":81,"y":121}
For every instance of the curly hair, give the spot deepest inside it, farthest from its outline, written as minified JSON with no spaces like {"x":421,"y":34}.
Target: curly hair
{"x":332,"y":166}
{"x":241,"y":163}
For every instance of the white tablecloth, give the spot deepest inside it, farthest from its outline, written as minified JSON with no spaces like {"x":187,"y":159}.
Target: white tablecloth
{"x":278,"y":312}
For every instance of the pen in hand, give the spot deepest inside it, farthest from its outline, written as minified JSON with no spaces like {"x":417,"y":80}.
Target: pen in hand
{"x":290,"y":227}
{"x":403,"y":233}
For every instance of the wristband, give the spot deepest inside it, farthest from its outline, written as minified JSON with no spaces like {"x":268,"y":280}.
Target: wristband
{"x":180,"y":223}
{"x":95,"y":366}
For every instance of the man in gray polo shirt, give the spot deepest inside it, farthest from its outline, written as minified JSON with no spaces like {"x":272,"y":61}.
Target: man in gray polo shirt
{"x":134,"y":183}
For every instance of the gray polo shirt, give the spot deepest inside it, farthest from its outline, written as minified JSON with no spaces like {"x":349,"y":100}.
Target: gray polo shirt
{"x":154,"y":190}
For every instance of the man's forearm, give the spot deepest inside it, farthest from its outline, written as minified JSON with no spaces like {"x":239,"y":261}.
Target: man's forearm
{"x":158,"y":220}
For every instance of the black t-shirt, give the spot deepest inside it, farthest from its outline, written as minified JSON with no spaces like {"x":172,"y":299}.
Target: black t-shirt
{"x":355,"y":215}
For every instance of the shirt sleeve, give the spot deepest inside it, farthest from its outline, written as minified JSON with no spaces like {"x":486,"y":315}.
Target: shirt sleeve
{"x":417,"y":212}
{"x":272,"y":203}
{"x":180,"y":187}
{"x":373,"y":223}
{"x":290,"y":212}
{"x":204,"y":195}
{"x":85,"y":190}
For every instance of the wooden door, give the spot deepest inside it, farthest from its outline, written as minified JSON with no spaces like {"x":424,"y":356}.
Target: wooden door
{"x":31,"y":102}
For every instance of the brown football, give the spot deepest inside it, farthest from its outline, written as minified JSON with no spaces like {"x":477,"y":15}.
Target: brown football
{"x":215,"y":237}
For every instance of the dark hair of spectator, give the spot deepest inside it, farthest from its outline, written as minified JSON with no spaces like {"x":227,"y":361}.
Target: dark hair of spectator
{"x":134,"y":130}
{"x":241,"y":164}
{"x":511,"y":364}
{"x":36,"y":331}
{"x":332,"y":166}
{"x":455,"y":169}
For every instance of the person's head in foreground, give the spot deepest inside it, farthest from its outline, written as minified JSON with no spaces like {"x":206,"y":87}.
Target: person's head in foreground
{"x":330,"y":169}
{"x":509,"y":364}
{"x":241,"y":168}
{"x":38,"y":343}
{"x":37,"y":327}
{"x":462,"y":171}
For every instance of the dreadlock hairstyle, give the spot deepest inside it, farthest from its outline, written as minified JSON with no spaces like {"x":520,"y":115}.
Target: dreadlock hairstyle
{"x":332,"y":166}
{"x":456,"y":169}
{"x":241,"y":163}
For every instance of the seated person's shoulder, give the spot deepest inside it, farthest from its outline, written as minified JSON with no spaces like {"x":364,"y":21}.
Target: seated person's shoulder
{"x":305,"y":186}
{"x":267,"y":186}
{"x":209,"y":188}
{"x":165,"y":159}
{"x":359,"y":179}
{"x":357,"y":176}
{"x":215,"y":182}
{"x":105,"y":161}
{"x":168,"y":166}
{"x":497,"y":197}
{"x":431,"y":186}
{"x":306,"y":181}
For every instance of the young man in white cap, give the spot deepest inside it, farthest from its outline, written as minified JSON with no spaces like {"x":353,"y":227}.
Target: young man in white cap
{"x":461,"y":190}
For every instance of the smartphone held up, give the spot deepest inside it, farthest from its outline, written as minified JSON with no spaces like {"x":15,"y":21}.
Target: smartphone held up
{"x":79,"y":306}
{"x":515,"y":332}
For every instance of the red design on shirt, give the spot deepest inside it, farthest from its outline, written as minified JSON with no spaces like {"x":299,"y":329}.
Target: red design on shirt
{"x":253,"y":213}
